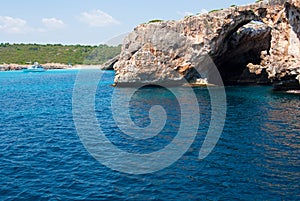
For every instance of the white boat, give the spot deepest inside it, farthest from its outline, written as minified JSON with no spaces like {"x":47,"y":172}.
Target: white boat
{"x":35,"y":68}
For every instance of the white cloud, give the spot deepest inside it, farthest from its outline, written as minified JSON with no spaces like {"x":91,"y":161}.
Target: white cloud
{"x":53,"y":23}
{"x":12,"y":25}
{"x":97,"y":18}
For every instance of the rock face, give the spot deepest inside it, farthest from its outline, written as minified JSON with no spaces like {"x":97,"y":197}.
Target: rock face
{"x":109,"y":65}
{"x":253,"y":44}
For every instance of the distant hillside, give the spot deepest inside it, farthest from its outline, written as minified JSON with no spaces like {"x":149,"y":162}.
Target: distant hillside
{"x":56,"y":53}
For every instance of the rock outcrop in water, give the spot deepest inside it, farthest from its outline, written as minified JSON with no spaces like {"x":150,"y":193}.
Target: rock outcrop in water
{"x":109,"y":65}
{"x":253,"y":44}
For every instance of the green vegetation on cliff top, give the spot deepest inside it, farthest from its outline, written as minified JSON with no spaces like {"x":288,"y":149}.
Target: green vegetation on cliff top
{"x":154,"y":21}
{"x":56,"y":53}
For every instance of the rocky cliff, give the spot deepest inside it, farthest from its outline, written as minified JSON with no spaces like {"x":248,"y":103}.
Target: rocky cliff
{"x":253,"y":44}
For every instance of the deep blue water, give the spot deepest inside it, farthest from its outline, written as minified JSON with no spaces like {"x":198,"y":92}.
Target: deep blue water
{"x":43,"y":158}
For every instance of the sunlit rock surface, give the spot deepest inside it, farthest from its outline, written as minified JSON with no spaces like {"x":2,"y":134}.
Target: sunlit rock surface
{"x":253,"y":44}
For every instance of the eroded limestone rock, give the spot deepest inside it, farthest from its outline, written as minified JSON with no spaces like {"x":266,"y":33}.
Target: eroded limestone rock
{"x":109,"y":65}
{"x":242,"y":51}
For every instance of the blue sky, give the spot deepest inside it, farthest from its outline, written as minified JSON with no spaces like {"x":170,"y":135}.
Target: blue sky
{"x":90,"y":22}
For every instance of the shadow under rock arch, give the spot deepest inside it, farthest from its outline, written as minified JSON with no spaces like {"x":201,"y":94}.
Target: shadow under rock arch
{"x":235,"y":51}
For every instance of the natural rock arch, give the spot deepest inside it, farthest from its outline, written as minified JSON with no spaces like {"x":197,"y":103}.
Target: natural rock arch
{"x":242,"y":43}
{"x":170,"y":51}
{"x":243,"y":46}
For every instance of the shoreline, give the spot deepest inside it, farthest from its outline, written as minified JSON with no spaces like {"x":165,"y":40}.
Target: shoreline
{"x":47,"y":66}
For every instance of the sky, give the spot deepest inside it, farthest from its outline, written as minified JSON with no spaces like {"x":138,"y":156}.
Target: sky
{"x":90,"y":22}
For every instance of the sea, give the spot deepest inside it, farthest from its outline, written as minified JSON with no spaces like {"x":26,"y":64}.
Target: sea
{"x":44,"y":156}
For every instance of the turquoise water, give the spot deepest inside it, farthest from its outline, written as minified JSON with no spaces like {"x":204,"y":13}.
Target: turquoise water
{"x":42,"y":157}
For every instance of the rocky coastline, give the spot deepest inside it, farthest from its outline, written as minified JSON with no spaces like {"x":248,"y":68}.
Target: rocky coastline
{"x":48,"y":66}
{"x":252,"y":44}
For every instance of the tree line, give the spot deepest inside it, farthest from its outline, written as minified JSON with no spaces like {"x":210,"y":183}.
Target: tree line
{"x":56,"y":53}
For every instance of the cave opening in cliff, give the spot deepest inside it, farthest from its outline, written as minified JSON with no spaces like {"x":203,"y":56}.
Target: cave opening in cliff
{"x":243,"y":46}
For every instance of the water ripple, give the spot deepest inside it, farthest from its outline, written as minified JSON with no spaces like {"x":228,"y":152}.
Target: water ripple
{"x":42,"y":158}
